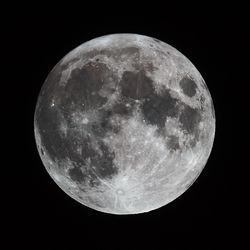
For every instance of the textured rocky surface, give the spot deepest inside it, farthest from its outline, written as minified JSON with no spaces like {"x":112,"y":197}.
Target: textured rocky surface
{"x":124,"y":123}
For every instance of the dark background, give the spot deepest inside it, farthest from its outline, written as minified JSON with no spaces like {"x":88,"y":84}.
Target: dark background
{"x":41,"y":210}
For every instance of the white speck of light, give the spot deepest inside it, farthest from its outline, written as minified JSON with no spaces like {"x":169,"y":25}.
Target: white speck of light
{"x":85,"y":120}
{"x":52,"y":104}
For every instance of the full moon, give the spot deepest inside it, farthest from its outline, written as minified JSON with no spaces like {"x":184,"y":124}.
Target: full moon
{"x":124,"y":124}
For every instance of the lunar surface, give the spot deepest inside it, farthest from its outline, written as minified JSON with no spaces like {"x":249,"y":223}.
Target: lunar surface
{"x":124,"y":124}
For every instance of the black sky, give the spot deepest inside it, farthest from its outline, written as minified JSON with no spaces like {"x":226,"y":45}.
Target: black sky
{"x":39,"y":39}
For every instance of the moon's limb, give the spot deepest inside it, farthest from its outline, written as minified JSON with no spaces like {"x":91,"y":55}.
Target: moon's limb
{"x":124,"y":124}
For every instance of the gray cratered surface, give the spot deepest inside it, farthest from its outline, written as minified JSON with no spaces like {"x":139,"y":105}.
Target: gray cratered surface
{"x":124,"y":123}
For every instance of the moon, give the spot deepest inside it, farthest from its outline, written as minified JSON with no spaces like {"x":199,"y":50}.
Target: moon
{"x":124,"y":124}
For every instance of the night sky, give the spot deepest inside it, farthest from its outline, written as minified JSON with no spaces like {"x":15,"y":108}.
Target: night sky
{"x":38,"y":208}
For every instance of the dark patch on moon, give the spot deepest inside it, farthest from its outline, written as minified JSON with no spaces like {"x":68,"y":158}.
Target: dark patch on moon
{"x":103,"y":163}
{"x":122,"y":109}
{"x":136,"y":85}
{"x":48,"y":121}
{"x":84,"y":85}
{"x":94,"y":165}
{"x":190,"y":119}
{"x":85,"y":176}
{"x":104,"y":123}
{"x":194,"y":141}
{"x":188,"y":86}
{"x":173,"y":142}
{"x":99,"y":128}
{"x":87,"y":150}
{"x":76,"y":174}
{"x":156,"y":108}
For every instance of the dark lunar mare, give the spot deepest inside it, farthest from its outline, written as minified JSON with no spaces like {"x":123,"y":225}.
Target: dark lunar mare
{"x":190,"y":119}
{"x":104,"y":125}
{"x":62,"y":149}
{"x":157,"y":107}
{"x":173,"y":142}
{"x":79,"y":93}
{"x":136,"y":85}
{"x":84,"y":84}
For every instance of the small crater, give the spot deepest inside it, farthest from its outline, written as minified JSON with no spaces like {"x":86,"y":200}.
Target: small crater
{"x":188,"y":86}
{"x":42,"y":152}
{"x":156,"y":40}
